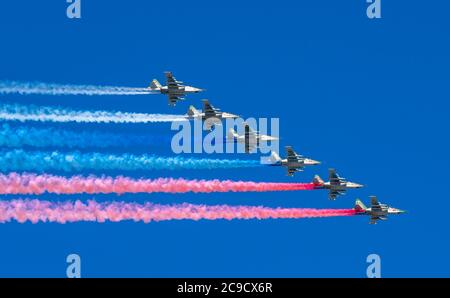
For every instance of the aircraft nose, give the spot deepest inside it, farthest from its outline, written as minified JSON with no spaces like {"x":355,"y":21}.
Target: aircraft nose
{"x":312,"y":162}
{"x":315,"y":162}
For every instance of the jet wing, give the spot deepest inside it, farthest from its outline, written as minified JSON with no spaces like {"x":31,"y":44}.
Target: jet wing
{"x":292,"y":156}
{"x":211,"y":122}
{"x":249,"y":147}
{"x":333,"y":195}
{"x":172,"y":83}
{"x":209,"y":110}
{"x":373,"y":220}
{"x":249,"y":132}
{"x":291,"y":171}
{"x":334,"y":177}
{"x":173,"y":99}
{"x":375,"y":205}
{"x":251,"y":138}
{"x":248,"y":129}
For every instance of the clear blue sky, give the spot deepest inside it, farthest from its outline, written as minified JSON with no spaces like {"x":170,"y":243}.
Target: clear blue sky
{"x":368,"y":97}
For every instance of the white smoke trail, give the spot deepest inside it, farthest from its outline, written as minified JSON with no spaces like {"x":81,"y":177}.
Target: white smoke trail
{"x":26,"y":88}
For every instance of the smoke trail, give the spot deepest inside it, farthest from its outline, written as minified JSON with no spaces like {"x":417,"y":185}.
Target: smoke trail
{"x":63,"y":212}
{"x":52,"y":137}
{"x":50,"y":114}
{"x":14,"y":183}
{"x":20,"y":160}
{"x":26,"y":88}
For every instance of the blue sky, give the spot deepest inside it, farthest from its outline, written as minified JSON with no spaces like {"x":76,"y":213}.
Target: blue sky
{"x":368,"y":97}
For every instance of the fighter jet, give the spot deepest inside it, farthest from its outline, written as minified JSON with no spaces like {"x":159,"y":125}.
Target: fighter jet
{"x":250,"y":138}
{"x":211,"y":115}
{"x":294,"y":162}
{"x":175,"y":90}
{"x":336,"y":186}
{"x":376,"y":211}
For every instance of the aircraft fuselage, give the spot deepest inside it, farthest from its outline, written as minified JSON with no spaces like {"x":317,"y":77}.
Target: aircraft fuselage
{"x":179,"y":90}
{"x":299,"y":164}
{"x":343,"y":186}
{"x":385,"y":210}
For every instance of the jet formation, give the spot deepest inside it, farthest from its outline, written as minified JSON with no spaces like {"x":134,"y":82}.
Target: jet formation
{"x":294,"y":162}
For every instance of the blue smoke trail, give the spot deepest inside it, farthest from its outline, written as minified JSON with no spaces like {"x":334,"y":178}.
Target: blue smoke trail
{"x":16,"y":137}
{"x":26,"y":88}
{"x":24,"y":113}
{"x":20,"y":160}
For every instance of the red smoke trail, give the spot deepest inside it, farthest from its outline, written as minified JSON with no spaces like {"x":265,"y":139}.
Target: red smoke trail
{"x":14,"y":183}
{"x":62,"y":212}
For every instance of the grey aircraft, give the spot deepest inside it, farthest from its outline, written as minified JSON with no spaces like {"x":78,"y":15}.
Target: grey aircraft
{"x":251,"y":139}
{"x":376,"y":211}
{"x":336,"y":185}
{"x":293,"y":162}
{"x":175,"y":90}
{"x":210,"y":115}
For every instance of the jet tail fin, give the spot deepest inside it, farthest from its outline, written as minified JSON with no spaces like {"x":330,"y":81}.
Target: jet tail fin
{"x":274,"y":157}
{"x":155,"y":85}
{"x":359,"y":206}
{"x":192,"y":111}
{"x":317,"y":180}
